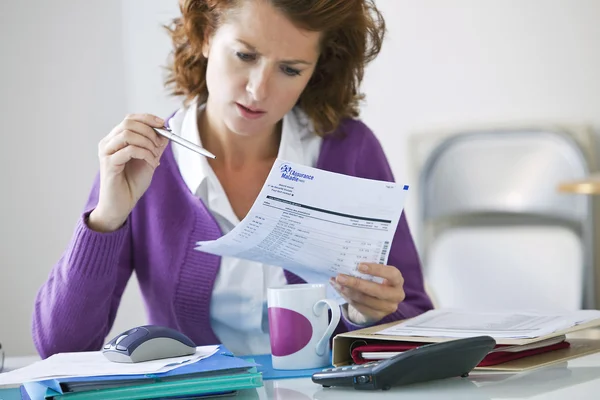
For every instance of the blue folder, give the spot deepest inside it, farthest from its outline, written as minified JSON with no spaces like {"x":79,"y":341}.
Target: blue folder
{"x":219,"y":373}
{"x":221,"y":361}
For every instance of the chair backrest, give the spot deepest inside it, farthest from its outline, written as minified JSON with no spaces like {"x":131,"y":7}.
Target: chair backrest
{"x":503,"y":171}
{"x":496,"y":234}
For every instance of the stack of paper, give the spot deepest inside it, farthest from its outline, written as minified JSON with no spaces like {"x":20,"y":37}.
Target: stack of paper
{"x":93,"y":363}
{"x":499,"y":325}
{"x":524,"y":339}
{"x":89,"y":375}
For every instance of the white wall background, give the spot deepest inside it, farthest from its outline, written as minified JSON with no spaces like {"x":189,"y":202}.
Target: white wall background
{"x":70,"y":70}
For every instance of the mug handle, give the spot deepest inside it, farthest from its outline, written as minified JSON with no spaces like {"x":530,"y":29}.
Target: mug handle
{"x":335,"y":319}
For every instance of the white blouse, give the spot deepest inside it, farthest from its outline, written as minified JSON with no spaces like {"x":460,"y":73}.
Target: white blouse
{"x":238,"y":308}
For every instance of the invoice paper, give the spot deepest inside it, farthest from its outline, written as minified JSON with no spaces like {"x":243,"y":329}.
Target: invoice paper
{"x":497,"y":324}
{"x":316,"y":223}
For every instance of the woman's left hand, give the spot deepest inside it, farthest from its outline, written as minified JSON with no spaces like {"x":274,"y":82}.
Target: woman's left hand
{"x":372,"y":301}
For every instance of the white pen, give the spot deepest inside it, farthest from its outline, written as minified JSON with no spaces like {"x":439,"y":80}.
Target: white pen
{"x":166,"y":132}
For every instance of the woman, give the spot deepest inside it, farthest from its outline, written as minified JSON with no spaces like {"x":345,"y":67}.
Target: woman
{"x":262,"y":79}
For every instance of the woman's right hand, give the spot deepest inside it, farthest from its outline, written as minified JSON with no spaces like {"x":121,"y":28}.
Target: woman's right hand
{"x":129,"y":154}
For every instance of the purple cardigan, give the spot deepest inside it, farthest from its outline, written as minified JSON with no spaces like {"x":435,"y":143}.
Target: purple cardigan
{"x":76,"y":307}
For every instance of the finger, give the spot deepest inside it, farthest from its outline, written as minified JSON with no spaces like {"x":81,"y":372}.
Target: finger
{"x":337,"y":288}
{"x":148,"y":119}
{"x":383,"y":306}
{"x":129,"y":138}
{"x":373,"y":289}
{"x":392,"y":275}
{"x":371,"y":314}
{"x":122,"y":156}
{"x":143,"y":129}
{"x":367,"y":313}
{"x":143,"y":123}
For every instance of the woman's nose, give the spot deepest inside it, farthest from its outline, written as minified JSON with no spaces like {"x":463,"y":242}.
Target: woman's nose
{"x":257,"y":85}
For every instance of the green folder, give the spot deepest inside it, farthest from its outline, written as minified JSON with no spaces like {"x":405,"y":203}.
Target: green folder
{"x":185,"y":387}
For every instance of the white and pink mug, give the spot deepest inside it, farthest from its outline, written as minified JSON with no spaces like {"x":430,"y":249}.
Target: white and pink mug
{"x":298,"y":325}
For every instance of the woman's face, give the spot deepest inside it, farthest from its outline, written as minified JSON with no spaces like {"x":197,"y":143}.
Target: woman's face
{"x":258,"y":65}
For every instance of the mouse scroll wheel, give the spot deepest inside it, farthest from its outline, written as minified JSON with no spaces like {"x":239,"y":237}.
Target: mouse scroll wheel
{"x":120,"y":338}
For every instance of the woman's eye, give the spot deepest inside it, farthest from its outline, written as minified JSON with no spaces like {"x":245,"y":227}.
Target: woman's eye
{"x":245,"y":56}
{"x":290,"y":71}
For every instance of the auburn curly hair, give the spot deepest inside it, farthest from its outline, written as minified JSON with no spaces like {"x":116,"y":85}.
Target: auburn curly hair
{"x":352,"y":35}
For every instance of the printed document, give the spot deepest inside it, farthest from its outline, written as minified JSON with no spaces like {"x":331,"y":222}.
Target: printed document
{"x":94,"y":363}
{"x":316,"y":223}
{"x":505,"y":325}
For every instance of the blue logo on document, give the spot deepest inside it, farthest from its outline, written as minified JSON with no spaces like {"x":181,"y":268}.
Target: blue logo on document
{"x":287,"y":172}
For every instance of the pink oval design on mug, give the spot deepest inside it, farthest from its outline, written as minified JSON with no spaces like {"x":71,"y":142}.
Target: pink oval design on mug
{"x":290,"y":331}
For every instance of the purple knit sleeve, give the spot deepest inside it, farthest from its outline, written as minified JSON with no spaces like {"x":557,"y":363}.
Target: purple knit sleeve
{"x":372,"y":164}
{"x":75,"y":308}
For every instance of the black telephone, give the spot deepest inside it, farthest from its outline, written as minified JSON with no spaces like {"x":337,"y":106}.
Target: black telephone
{"x":425,"y":363}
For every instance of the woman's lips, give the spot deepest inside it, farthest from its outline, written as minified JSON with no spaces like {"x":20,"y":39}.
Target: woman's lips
{"x":249,"y":113}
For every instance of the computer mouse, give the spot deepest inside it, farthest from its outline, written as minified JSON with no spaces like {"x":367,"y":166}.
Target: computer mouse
{"x":148,"y":342}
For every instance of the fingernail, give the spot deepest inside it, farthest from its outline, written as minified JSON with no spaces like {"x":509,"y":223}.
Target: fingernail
{"x":363,"y":268}
{"x":342,"y":279}
{"x":159,"y":120}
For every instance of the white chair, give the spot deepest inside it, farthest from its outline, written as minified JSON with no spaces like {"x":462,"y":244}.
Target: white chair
{"x":495,"y":233}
